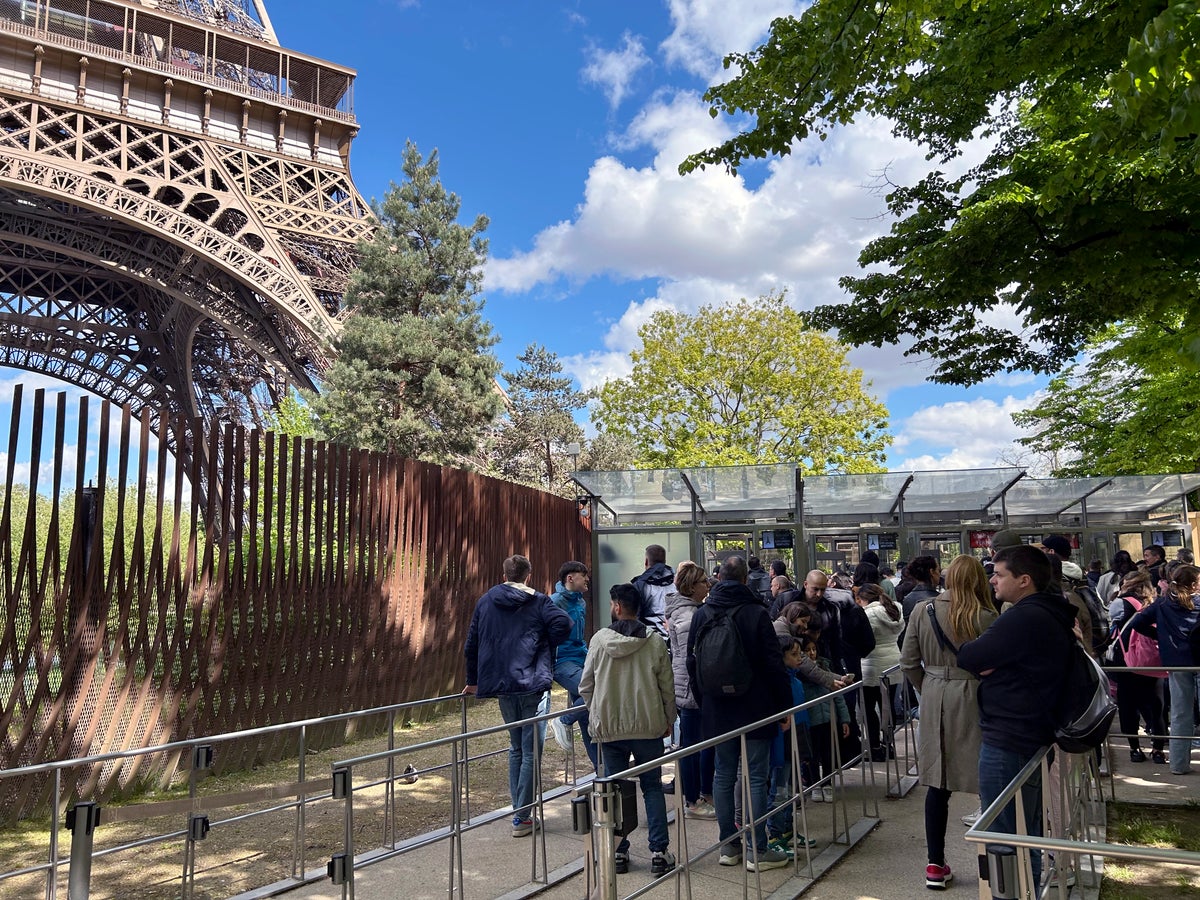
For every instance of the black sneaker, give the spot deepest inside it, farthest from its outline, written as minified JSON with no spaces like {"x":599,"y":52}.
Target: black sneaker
{"x":622,"y":862}
{"x":662,"y":862}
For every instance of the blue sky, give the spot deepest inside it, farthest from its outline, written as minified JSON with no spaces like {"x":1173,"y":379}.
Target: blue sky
{"x":564,"y":123}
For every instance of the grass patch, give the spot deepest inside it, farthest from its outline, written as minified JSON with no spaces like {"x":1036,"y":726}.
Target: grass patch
{"x":1166,"y":827}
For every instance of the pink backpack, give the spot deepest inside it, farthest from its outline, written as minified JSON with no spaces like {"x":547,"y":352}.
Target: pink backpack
{"x":1140,"y":650}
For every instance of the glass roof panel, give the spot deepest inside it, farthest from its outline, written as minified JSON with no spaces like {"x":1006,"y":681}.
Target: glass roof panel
{"x":1142,"y":493}
{"x":756,"y":492}
{"x":866,"y":496}
{"x":1050,"y":496}
{"x":961,"y":489}
{"x":726,"y":491}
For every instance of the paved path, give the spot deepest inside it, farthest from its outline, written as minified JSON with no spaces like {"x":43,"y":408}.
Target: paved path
{"x":887,"y":864}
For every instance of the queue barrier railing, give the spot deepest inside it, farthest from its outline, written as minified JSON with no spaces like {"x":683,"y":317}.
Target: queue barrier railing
{"x":1073,"y":805}
{"x":195,"y":812}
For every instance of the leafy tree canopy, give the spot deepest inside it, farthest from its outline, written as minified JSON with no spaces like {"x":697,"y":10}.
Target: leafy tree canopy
{"x":1084,"y":212}
{"x":1128,"y":409}
{"x":744,"y":383}
{"x":414,"y":373}
{"x":528,"y":445}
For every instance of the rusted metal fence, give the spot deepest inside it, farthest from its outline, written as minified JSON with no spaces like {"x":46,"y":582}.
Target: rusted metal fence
{"x":306,"y":579}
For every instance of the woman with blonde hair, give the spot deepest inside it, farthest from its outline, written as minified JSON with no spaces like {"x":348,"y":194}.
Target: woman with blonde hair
{"x":949,"y":738}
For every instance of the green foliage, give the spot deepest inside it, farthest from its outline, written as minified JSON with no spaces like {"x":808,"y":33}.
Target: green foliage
{"x":414,"y":373}
{"x":1081,"y":215}
{"x":745,"y":383}
{"x":293,"y":417}
{"x":1128,"y":409}
{"x":527,"y":445}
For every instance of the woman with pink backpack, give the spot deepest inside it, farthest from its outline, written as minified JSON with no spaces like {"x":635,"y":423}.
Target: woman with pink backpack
{"x":1138,"y":693}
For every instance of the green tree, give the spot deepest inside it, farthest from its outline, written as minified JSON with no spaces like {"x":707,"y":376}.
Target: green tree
{"x":540,"y":419}
{"x":414,"y":373}
{"x":1081,"y":215}
{"x":744,"y":383}
{"x":1128,"y":409}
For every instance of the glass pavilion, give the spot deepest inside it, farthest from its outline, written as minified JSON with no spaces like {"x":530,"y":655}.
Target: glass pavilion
{"x":829,"y":521}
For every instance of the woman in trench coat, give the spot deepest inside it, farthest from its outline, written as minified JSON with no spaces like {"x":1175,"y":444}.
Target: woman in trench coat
{"x":948,"y":746}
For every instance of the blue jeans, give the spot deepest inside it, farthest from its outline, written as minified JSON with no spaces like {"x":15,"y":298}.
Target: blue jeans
{"x":997,"y":769}
{"x":567,"y":674}
{"x":695,"y":770}
{"x":780,"y":790}
{"x":1184,"y":686}
{"x":758,"y":757}
{"x":522,"y":754}
{"x":643,"y":750}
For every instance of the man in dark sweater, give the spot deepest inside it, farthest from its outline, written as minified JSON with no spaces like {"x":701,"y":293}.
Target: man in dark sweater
{"x":769,"y":694}
{"x":1021,"y":661}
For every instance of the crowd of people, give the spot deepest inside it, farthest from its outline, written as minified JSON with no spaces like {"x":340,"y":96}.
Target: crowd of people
{"x":690,"y":657}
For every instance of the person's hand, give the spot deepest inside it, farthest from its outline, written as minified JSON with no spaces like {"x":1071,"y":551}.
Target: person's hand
{"x":845,"y":729}
{"x":469,"y":690}
{"x":786,"y":723}
{"x":1077,"y":630}
{"x":839,"y":683}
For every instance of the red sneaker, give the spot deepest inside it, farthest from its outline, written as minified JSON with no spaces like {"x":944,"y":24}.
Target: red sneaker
{"x":937,"y":877}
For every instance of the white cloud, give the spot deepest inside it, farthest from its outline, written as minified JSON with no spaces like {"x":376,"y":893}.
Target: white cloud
{"x":962,"y":434}
{"x":704,"y":31}
{"x":613,"y":70}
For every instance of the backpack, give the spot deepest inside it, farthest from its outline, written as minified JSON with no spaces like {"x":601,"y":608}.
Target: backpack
{"x":1101,"y":626}
{"x":1085,"y":709}
{"x":721,"y":665}
{"x":759,"y":581}
{"x":1140,"y":650}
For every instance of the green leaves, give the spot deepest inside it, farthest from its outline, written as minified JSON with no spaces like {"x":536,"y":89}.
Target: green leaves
{"x":744,"y":383}
{"x":1082,"y":214}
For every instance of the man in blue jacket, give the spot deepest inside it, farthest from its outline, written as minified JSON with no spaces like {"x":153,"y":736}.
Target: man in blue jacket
{"x":573,"y":580}
{"x":1021,"y":661}
{"x":509,"y":653}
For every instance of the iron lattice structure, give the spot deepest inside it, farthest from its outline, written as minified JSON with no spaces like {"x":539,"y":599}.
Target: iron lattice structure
{"x":177,"y":217}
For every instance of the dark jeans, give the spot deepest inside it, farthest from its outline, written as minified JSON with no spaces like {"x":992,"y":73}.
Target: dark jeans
{"x":997,"y":768}
{"x":696,"y":770}
{"x":616,"y":756}
{"x":1140,"y":695}
{"x":873,"y":698}
{"x":758,"y":756}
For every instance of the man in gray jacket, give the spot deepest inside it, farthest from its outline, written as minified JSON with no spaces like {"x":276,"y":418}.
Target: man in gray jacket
{"x":630,"y":693}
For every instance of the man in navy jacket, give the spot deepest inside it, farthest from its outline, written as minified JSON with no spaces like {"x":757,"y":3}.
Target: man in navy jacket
{"x":1021,"y":661}
{"x":509,"y":653}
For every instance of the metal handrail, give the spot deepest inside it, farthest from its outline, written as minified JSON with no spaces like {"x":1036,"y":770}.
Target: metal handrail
{"x":303,"y":797}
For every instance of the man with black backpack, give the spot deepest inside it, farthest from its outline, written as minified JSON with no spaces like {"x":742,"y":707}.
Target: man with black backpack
{"x":737,"y":670}
{"x":1092,"y":614}
{"x":1020,"y":660}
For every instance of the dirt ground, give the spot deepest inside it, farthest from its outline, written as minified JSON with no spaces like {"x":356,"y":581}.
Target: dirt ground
{"x":243,"y":853}
{"x":1175,"y":827}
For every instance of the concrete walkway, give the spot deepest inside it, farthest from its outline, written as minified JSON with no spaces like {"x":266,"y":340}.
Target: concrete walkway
{"x":887,"y":863}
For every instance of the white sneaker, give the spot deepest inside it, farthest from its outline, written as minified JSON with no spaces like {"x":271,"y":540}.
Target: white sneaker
{"x":563,"y":735}
{"x":700,"y":810}
{"x":828,"y":794}
{"x":971,"y":818}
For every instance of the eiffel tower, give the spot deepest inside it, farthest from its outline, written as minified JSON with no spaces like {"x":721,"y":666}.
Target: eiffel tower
{"x":177,"y":218}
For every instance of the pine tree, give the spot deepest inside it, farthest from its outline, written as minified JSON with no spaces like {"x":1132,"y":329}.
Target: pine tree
{"x":414,"y":373}
{"x":529,"y":440}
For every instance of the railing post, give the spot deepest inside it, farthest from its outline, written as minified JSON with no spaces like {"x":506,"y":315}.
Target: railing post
{"x":82,"y":819}
{"x":1002,"y":872}
{"x":606,"y":799}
